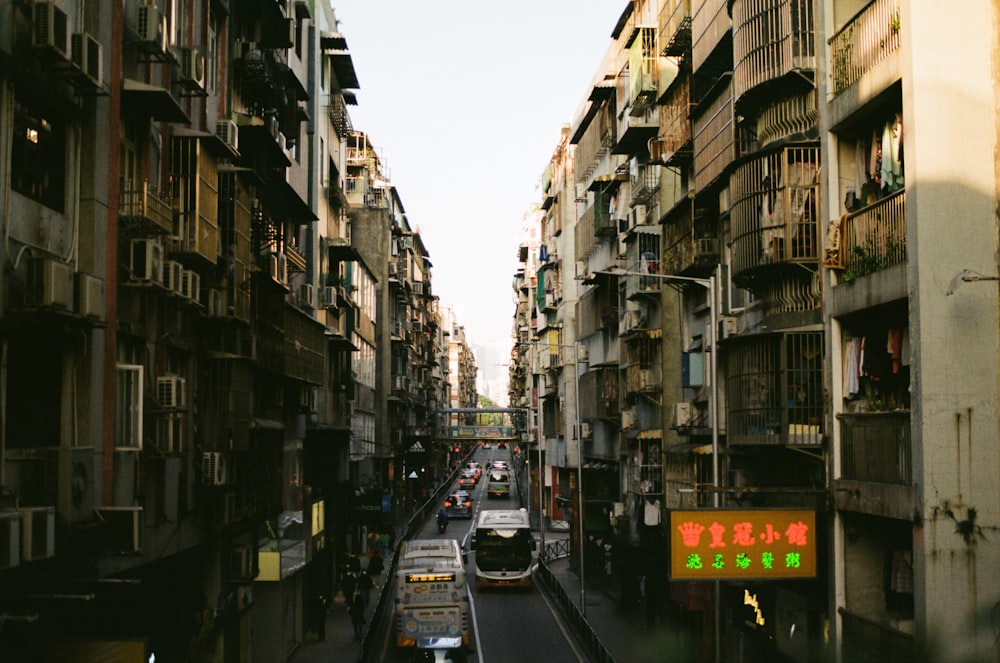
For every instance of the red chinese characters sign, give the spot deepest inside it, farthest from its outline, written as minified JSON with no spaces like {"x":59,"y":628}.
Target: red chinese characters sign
{"x":718,"y":545}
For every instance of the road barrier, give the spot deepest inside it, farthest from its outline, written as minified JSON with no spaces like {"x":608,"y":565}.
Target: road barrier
{"x":571,"y":612}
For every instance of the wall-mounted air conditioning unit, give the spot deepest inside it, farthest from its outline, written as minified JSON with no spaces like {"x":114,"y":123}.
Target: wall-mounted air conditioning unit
{"x":170,"y":391}
{"x":682,"y":415}
{"x":727,"y":327}
{"x":580,"y":272}
{"x":307,"y":295}
{"x":121,"y":528}
{"x":192,"y":68}
{"x":38,"y":533}
{"x":50,"y":30}
{"x":151,"y":28}
{"x":69,"y":483}
{"x":227,"y":131}
{"x":49,"y":283}
{"x":214,"y":468}
{"x":89,"y":296}
{"x":146,"y":261}
{"x":628,"y":419}
{"x":86,"y":55}
{"x":10,"y":539}
{"x":173,"y":273}
{"x":190,"y":284}
{"x":168,"y":433}
{"x":329,"y":296}
{"x":586,"y":431}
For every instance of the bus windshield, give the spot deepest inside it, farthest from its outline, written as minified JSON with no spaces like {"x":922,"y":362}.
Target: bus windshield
{"x":503,"y":549}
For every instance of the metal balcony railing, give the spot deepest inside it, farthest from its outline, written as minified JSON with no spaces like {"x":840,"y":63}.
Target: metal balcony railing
{"x":863,"y":42}
{"x":874,"y":238}
{"x":876,"y":447}
{"x":866,"y":641}
{"x":770,"y":39}
{"x":146,"y":204}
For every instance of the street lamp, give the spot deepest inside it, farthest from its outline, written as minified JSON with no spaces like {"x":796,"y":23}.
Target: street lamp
{"x":579,"y":460}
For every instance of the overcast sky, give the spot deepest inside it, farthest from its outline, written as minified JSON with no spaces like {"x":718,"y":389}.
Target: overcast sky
{"x":465,"y":100}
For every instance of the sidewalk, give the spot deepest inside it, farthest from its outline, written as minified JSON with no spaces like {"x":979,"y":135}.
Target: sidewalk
{"x":624,"y":633}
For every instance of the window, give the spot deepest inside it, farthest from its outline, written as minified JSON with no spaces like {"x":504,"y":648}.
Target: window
{"x":38,"y":158}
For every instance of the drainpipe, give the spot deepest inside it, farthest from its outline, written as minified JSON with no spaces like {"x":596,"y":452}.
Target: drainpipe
{"x":111,"y":267}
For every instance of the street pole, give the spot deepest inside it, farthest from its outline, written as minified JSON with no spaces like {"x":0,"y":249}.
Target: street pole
{"x":541,"y":439}
{"x":579,"y":476}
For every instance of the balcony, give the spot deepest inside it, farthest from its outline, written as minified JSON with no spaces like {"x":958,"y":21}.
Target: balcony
{"x":866,"y":641}
{"x":714,"y":139}
{"x":864,"y":41}
{"x":875,"y":447}
{"x":599,"y":396}
{"x":872,"y":239}
{"x":144,"y":210}
{"x":645,"y":183}
{"x":774,"y":209}
{"x":675,"y":27}
{"x":675,"y":122}
{"x":771,"y":39}
{"x":644,"y":70}
{"x":642,"y":378}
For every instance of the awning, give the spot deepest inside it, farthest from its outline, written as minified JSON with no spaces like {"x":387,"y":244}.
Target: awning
{"x":650,"y":434}
{"x":265,"y":424}
{"x":285,"y":202}
{"x":211,"y":141}
{"x":690,"y":448}
{"x":153,"y":101}
{"x":332,"y":41}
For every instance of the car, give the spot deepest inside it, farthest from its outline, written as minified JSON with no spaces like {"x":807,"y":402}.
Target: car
{"x":499,"y":465}
{"x":467,"y":479}
{"x":458,"y":504}
{"x":485,"y":445}
{"x":474,"y":467}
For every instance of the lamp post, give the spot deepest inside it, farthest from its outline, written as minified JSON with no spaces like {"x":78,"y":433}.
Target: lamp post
{"x":710,"y":284}
{"x":579,"y":461}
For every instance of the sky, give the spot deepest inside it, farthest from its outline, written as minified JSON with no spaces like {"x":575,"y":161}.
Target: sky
{"x":465,"y":100}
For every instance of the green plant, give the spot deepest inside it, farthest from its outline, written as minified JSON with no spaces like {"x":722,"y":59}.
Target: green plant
{"x":872,"y":257}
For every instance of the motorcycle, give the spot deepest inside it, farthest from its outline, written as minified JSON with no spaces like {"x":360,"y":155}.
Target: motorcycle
{"x":442,"y":522}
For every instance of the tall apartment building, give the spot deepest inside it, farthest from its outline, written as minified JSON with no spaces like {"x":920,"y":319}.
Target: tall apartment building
{"x":194,"y":370}
{"x":761,"y":143}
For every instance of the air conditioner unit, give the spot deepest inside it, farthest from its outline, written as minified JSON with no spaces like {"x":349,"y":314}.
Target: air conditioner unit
{"x":151,"y":27}
{"x":89,"y":296}
{"x":727,"y":327}
{"x":192,"y":68}
{"x":38,"y":533}
{"x":637,"y":216}
{"x":170,"y":391}
{"x":190,"y":284}
{"x":628,"y":419}
{"x":146,"y":261}
{"x":214,"y":468}
{"x":10,"y":539}
{"x":418,"y":287}
{"x":50,"y":30}
{"x":213,"y":303}
{"x":682,"y":415}
{"x":276,"y":266}
{"x":581,"y":270}
{"x":173,"y":274}
{"x":307,"y":295}
{"x":121,"y":528}
{"x":586,"y":432}
{"x":86,"y":54}
{"x":329,"y":296}
{"x":393,"y":269}
{"x":50,"y":283}
{"x":227,"y":130}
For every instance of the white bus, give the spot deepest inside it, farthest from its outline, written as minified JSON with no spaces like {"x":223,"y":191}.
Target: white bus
{"x":503,"y":545}
{"x":432,"y":596}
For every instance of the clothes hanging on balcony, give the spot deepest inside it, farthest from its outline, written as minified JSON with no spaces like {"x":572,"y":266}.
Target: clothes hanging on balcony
{"x":651,"y":513}
{"x":852,"y":368}
{"x":891,"y":166}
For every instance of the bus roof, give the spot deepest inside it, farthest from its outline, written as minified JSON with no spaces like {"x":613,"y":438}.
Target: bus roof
{"x":420,"y":553}
{"x":504,"y":518}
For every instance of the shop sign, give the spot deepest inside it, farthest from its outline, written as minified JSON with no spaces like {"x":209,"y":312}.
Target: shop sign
{"x":742,"y":544}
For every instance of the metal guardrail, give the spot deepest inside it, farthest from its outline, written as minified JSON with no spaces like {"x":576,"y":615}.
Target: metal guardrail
{"x":571,"y":611}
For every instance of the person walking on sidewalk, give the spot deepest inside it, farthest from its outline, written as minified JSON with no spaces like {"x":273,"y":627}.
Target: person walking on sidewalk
{"x":376,"y":565}
{"x":319,"y":616}
{"x":365,"y":585}
{"x":357,"y":613}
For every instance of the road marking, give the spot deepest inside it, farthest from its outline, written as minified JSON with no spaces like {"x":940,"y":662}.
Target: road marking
{"x":570,"y":640}
{"x":475,"y":624}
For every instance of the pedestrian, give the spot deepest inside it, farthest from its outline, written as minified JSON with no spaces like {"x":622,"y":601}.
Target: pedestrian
{"x":365,"y":585}
{"x":386,"y":543}
{"x":319,"y":616}
{"x":376,"y":565}
{"x":357,"y":613}
{"x":353,"y":564}
{"x":348,"y":583}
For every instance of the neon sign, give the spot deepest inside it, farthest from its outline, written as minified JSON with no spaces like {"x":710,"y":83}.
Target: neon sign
{"x":763,"y":543}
